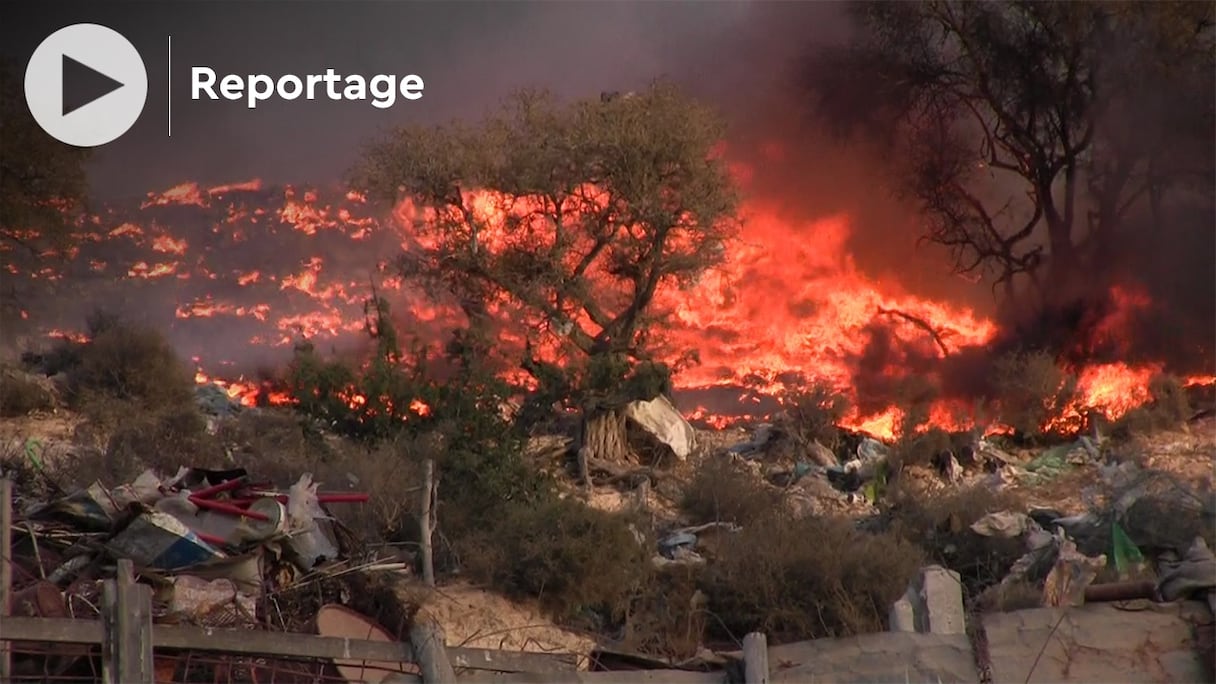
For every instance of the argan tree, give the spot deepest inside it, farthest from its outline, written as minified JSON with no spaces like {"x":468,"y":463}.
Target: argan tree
{"x":562,"y":222}
{"x":1031,"y":134}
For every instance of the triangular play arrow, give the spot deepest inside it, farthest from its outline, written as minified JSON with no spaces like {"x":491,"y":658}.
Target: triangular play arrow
{"x":83,"y":84}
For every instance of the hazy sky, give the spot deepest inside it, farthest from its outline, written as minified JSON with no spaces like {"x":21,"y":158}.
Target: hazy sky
{"x":470,"y":54}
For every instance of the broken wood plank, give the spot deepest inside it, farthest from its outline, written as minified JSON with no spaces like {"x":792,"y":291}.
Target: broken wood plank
{"x":603,"y":677}
{"x":491,"y":660}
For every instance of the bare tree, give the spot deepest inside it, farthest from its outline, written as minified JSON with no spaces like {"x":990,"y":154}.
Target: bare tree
{"x":1030,"y":131}
{"x":565,"y":221}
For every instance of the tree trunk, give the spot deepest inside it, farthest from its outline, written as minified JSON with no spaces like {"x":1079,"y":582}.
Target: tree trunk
{"x":604,"y":435}
{"x":426,"y":521}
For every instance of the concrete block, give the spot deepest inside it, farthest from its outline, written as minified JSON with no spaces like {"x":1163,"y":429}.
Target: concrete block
{"x":933,"y":604}
{"x":902,"y":617}
{"x":941,"y":594}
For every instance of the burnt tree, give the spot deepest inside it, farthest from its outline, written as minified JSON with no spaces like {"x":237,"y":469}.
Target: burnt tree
{"x":1030,"y":132}
{"x":562,"y":222}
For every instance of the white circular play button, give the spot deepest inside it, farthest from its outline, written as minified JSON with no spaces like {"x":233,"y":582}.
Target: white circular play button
{"x":86,"y":85}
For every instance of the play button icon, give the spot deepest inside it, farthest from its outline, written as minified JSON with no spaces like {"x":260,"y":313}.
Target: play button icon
{"x":86,"y":85}
{"x":82,"y":85}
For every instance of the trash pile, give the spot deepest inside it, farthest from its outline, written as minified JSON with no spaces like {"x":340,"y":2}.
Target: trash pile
{"x":1149,"y":516}
{"x":212,"y":542}
{"x":1140,"y":533}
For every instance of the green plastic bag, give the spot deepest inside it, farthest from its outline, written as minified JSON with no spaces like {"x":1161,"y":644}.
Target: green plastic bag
{"x":1125,"y":554}
{"x":33,"y":455}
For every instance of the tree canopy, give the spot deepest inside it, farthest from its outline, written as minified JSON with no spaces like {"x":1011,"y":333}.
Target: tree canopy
{"x":42,"y":181}
{"x":1030,"y":133}
{"x":564,"y":220}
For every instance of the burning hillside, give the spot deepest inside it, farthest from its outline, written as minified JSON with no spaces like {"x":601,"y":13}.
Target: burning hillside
{"x":237,"y":274}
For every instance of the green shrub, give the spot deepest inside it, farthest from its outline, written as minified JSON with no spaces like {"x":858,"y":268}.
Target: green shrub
{"x":130,"y":362}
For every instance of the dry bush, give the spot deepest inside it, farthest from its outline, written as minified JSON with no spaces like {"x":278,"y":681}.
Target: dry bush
{"x":941,"y":525}
{"x":1168,"y":408}
{"x":726,"y":492}
{"x":272,"y":445}
{"x":915,"y":395}
{"x":921,"y":449}
{"x":572,"y":558}
{"x":130,"y":362}
{"x":808,"y":578}
{"x":1014,"y":596}
{"x":278,"y":446}
{"x":29,"y":482}
{"x":1031,"y":389}
{"x":812,"y":413}
{"x":165,"y":440}
{"x":668,"y":618}
{"x":21,"y":394}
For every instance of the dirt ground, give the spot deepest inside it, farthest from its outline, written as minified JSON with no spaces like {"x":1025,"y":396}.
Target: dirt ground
{"x":475,"y":618}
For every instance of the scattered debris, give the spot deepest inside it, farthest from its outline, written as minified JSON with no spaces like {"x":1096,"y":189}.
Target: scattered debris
{"x":761,"y":438}
{"x":214,"y":401}
{"x":1192,"y":573}
{"x":210,"y":536}
{"x":1070,"y":576}
{"x":660,"y":419}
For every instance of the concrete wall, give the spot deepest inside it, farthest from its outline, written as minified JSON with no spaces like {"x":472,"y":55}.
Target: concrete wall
{"x":895,"y":657}
{"x":1134,"y":641}
{"x":1100,"y":643}
{"x":1104,"y":642}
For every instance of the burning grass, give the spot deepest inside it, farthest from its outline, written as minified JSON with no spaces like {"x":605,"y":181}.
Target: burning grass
{"x":1033,"y":390}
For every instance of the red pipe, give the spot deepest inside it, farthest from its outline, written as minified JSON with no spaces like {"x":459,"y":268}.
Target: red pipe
{"x":222,"y":507}
{"x":211,"y":538}
{"x":322,"y":497}
{"x":335,"y":497}
{"x":208,"y":492}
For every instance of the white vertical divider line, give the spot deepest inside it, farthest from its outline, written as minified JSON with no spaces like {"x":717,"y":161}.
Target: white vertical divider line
{"x":169,"y":95}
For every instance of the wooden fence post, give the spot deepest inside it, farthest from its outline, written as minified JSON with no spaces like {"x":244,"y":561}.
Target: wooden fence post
{"x":755,"y":658}
{"x":6,"y":571}
{"x":430,"y":650}
{"x":127,"y":638}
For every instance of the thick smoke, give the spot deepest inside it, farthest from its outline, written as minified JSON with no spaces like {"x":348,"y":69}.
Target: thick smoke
{"x":746,"y":58}
{"x":1150,"y":297}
